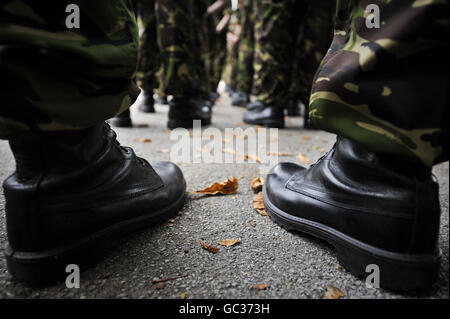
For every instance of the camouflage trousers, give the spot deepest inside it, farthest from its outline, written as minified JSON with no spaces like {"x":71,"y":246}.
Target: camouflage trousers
{"x":246,"y":48}
{"x":181,"y":29}
{"x":214,"y":48}
{"x":387,"y":87}
{"x":276,"y":33}
{"x":55,"y":78}
{"x":314,"y":39}
{"x":149,"y":53}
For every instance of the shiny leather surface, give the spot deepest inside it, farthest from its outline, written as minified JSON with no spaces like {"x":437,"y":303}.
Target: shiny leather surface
{"x":357,"y":193}
{"x":190,"y":109}
{"x":265,"y":116}
{"x":69,"y":185}
{"x":239,"y":98}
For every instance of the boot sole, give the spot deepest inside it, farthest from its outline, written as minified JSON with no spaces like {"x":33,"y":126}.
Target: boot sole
{"x":399,"y":272}
{"x":50,"y":266}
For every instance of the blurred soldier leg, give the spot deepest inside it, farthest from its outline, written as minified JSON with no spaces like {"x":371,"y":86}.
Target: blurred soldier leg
{"x":148,"y":62}
{"x":315,"y":36}
{"x":384,"y":92}
{"x":215,"y":46}
{"x":246,"y":51}
{"x":149,"y":54}
{"x":277,"y":27}
{"x":184,"y":69}
{"x":74,"y":187}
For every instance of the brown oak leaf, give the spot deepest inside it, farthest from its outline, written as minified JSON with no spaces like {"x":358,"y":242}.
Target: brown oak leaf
{"x":228,"y":187}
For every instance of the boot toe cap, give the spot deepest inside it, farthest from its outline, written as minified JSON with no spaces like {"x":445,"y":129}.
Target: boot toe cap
{"x":275,"y":186}
{"x":173,"y":179}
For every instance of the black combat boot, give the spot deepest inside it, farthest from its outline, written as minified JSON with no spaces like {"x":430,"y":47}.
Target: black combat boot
{"x":145,"y":102}
{"x":265,"y":115}
{"x":183,"y":112}
{"x":256,"y":105}
{"x":374,"y":209}
{"x":74,"y":191}
{"x":213,"y":97}
{"x":240,"y":98}
{"x":122,"y":120}
{"x":292,"y":107}
{"x":161,"y":99}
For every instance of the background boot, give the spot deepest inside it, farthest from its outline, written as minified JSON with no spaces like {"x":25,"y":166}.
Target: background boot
{"x":184,"y":111}
{"x":292,"y":107}
{"x":375,"y":210}
{"x":268,"y":116}
{"x":161,"y":99}
{"x":74,"y":191}
{"x":122,"y":120}
{"x":240,"y":98}
{"x":145,"y":102}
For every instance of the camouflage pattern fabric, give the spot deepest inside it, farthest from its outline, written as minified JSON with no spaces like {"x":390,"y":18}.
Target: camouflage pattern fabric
{"x":180,"y":30}
{"x":233,"y":52}
{"x":55,"y":78}
{"x":387,"y":87}
{"x":246,"y":48}
{"x":276,"y":32}
{"x":149,"y":53}
{"x":314,"y":39}
{"x":214,"y":48}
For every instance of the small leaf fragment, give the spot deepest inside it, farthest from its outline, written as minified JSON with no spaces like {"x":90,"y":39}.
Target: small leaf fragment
{"x":261,"y":286}
{"x":333,"y":293}
{"x":230,"y":242}
{"x":252,"y":157}
{"x":258,"y":204}
{"x":210,"y":248}
{"x":302,"y":158}
{"x":143,"y":140}
{"x":257,"y":184}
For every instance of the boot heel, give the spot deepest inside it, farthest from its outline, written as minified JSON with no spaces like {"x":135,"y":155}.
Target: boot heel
{"x":394,"y":274}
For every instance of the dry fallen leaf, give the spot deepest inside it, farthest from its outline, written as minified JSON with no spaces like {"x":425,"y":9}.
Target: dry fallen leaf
{"x":160,"y":285}
{"x":163,"y":151}
{"x":261,"y":287}
{"x":230,"y":242}
{"x":277,"y":154}
{"x":258,"y":204}
{"x":228,"y":187}
{"x":210,"y":248}
{"x":183,"y":295}
{"x":306,"y":138}
{"x":253,"y":157}
{"x":157,"y":281}
{"x":143,"y":140}
{"x":257,"y":184}
{"x":302,"y":158}
{"x":229,"y":151}
{"x":333,"y":293}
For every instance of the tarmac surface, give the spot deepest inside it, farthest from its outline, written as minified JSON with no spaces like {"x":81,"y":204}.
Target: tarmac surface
{"x":295,"y":266}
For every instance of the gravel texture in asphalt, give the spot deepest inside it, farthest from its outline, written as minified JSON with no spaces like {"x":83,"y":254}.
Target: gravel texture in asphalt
{"x":295,"y":266}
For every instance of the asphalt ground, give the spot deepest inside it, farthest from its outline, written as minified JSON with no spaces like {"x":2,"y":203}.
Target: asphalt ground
{"x":295,"y":266}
